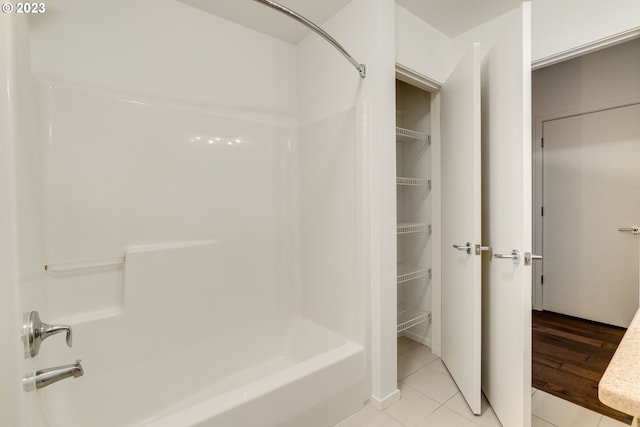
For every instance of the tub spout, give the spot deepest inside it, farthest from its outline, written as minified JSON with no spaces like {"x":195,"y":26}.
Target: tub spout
{"x":44,"y":377}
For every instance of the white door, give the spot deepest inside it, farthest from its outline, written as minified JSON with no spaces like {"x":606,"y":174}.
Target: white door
{"x":461,"y":226}
{"x":591,"y":187}
{"x":506,"y":208}
{"x":487,"y":321}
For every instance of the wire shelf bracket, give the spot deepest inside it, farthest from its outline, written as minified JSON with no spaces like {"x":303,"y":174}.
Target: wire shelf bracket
{"x":410,"y":318}
{"x":408,"y":227}
{"x":415,"y":182}
{"x":408,"y":273}
{"x":408,"y":135}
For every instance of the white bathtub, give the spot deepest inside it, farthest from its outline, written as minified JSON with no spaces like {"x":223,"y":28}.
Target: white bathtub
{"x":290,"y":372}
{"x":311,"y":365}
{"x":184,"y":350}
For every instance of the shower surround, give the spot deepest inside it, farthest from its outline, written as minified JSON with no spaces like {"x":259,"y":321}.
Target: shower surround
{"x":196,"y":210}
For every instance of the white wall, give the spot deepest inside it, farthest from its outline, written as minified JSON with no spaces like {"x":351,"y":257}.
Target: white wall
{"x":602,"y":79}
{"x":158,"y":87}
{"x":485,"y":34}
{"x":420,"y":47}
{"x":608,"y":76}
{"x":333,"y":292}
{"x":561,"y":26}
{"x":327,"y":85}
{"x":168,"y":50}
{"x":560,"y":29}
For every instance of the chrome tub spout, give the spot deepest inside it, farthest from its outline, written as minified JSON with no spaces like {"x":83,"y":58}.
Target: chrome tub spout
{"x":44,"y":377}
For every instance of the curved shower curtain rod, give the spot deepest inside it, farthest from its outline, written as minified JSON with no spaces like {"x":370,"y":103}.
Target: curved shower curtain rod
{"x":362,"y":68}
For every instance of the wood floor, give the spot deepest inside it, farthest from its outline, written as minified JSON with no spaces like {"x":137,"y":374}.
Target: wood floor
{"x":570,"y":356}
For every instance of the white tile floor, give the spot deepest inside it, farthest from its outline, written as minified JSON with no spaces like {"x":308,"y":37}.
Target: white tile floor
{"x":430,"y":398}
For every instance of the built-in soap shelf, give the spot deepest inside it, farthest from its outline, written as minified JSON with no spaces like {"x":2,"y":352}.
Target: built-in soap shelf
{"x":406,"y":273}
{"x":415,"y":182}
{"x":408,"y":318}
{"x":407,"y":135}
{"x":85,"y":266}
{"x":413,"y":227}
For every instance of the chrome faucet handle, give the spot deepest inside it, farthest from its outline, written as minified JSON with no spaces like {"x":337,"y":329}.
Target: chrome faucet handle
{"x":35,"y":331}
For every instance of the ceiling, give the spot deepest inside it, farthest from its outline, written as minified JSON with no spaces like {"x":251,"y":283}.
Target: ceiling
{"x":451,"y":17}
{"x":259,"y":17}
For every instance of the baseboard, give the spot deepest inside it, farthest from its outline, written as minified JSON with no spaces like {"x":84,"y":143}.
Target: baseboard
{"x":418,"y":338}
{"x":382,"y":404}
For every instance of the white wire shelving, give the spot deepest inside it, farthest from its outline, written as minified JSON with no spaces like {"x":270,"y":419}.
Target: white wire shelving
{"x":408,"y":135}
{"x":411,"y":317}
{"x":413,"y":227}
{"x":407,"y":273}
{"x":415,"y":182}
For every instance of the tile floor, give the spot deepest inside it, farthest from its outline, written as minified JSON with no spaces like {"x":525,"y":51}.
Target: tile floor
{"x":430,"y":398}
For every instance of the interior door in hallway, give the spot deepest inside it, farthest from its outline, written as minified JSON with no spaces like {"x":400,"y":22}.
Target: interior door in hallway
{"x":461,"y":227}
{"x":486,"y":321}
{"x":507,"y":222}
{"x":591,"y":188}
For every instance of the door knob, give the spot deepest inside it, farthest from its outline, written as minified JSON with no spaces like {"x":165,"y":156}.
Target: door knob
{"x":514,"y":256}
{"x":466,"y":248}
{"x":634,"y":229}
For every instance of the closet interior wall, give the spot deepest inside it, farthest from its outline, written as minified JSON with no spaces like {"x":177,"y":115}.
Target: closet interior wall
{"x":414,"y":212}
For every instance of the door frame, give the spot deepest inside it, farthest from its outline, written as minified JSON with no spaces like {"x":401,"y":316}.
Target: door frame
{"x":423,"y":82}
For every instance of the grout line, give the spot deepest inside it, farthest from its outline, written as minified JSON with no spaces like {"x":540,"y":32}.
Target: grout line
{"x":542,"y":419}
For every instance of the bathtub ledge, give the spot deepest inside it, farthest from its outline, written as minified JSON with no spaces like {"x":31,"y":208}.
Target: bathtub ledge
{"x":347,"y":358}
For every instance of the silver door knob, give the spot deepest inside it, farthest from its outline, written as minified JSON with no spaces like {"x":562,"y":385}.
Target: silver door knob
{"x":466,"y":248}
{"x":514,"y":256}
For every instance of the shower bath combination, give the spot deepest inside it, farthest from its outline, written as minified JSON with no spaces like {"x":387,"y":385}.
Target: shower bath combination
{"x":194,"y":249}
